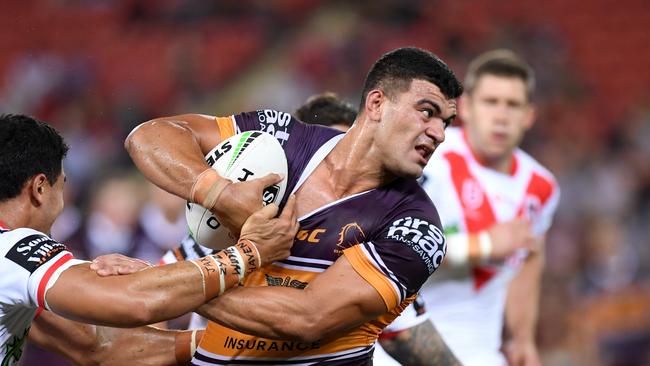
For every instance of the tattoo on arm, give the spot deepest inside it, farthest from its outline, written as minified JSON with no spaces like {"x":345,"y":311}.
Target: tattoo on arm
{"x":420,"y":345}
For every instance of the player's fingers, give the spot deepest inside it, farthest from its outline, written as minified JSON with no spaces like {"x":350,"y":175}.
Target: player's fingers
{"x":267,"y":212}
{"x":270,"y":179}
{"x":289,"y":210}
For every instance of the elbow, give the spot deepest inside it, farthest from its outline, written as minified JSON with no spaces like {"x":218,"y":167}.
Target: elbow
{"x":132,"y":140}
{"x":307,"y":329}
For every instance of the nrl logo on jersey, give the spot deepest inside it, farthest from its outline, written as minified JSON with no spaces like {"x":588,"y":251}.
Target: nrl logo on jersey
{"x":275,"y":123}
{"x":34,"y":250}
{"x":424,"y":238}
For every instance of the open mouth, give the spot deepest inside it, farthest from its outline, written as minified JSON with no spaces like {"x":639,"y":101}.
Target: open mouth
{"x":424,"y":151}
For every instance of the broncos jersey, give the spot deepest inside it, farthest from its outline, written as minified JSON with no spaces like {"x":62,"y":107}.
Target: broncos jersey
{"x":391,"y":235}
{"x":30,"y":263}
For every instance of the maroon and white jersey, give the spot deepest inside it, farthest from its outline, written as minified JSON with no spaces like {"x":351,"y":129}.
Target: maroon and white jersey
{"x":30,"y":263}
{"x":467,"y":304}
{"x":391,"y":235}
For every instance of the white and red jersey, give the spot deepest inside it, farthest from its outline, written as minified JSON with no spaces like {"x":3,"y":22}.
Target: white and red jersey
{"x":30,"y":263}
{"x":467,"y":304}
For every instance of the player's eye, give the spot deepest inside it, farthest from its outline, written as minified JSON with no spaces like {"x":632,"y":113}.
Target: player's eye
{"x":428,"y":113}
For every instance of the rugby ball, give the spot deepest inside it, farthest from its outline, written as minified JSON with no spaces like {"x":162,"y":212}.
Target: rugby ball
{"x":242,"y":157}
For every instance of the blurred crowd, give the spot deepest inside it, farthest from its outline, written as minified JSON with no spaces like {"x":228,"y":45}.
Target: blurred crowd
{"x":95,"y":69}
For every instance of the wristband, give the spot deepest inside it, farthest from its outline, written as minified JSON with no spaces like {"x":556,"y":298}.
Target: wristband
{"x":462,"y":247}
{"x":485,"y":245}
{"x":250,"y":253}
{"x":457,"y":249}
{"x":207,"y":188}
{"x":185,"y":345}
{"x":212,"y":273}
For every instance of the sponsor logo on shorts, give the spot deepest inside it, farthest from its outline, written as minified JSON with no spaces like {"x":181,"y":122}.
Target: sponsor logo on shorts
{"x":424,"y":238}
{"x":33,"y":251}
{"x":268,"y":345}
{"x":275,"y":123}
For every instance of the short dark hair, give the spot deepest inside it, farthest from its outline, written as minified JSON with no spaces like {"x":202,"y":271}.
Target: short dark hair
{"x":27,"y":147}
{"x":326,"y":109}
{"x":500,"y":62}
{"x":395,"y":71}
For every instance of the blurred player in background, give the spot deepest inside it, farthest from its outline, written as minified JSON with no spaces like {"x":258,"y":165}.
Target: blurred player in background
{"x":358,"y":259}
{"x":38,"y":273}
{"x":496,"y":204}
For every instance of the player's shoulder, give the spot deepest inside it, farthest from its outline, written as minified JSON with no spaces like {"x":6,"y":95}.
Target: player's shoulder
{"x":533,"y":167}
{"x":407,"y":197}
{"x":29,"y":248}
{"x":22,"y":235}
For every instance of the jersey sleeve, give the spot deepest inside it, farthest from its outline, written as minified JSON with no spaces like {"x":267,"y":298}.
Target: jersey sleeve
{"x":401,"y":258}
{"x":40,"y":260}
{"x":547,"y":195}
{"x":276,"y":123}
{"x":413,"y":315}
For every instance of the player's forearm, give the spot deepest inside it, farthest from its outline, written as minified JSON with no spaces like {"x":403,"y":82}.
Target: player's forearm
{"x":420,"y":345}
{"x":167,"y":152}
{"x":85,"y":344}
{"x":140,"y":298}
{"x":523,"y":299}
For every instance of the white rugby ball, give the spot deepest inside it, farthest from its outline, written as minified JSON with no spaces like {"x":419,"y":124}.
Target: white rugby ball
{"x":242,"y":157}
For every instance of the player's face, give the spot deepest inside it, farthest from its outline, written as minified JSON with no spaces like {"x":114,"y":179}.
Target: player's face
{"x":496,"y":116}
{"x":412,"y":127}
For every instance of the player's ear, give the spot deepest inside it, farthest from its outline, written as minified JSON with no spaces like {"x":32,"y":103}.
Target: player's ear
{"x":463,"y":106}
{"x":374,"y":101}
{"x":531,"y":115}
{"x":38,"y":186}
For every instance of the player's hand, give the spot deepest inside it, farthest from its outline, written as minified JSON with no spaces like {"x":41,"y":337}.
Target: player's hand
{"x":239,"y":200}
{"x":117,"y":264}
{"x":522,"y":354}
{"x":272,"y":236}
{"x":507,"y":237}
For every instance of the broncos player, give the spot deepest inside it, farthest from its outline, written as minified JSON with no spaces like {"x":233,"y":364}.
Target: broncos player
{"x":330,"y":299}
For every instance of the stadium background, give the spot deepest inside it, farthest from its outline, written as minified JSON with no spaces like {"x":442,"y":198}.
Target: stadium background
{"x":96,"y":68}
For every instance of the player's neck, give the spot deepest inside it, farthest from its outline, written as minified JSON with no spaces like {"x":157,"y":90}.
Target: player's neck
{"x":15,"y":213}
{"x":351,"y":165}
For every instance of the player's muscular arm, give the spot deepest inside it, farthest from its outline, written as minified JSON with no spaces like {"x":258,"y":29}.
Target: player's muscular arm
{"x":140,"y":298}
{"x":165,"y":292}
{"x":419,"y":346}
{"x":337,"y":300}
{"x":85,"y":344}
{"x":169,"y":150}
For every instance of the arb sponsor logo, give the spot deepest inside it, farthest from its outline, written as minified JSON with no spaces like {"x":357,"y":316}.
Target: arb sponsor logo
{"x":275,"y":123}
{"x":424,"y":238}
{"x":34,"y":250}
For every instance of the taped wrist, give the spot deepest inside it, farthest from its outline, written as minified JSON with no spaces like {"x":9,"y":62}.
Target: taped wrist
{"x":227,"y":268}
{"x":207,"y":188}
{"x":464,"y":248}
{"x":185,"y":345}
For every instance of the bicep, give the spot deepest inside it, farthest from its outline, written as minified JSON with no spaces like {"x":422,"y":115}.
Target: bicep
{"x":342,"y":298}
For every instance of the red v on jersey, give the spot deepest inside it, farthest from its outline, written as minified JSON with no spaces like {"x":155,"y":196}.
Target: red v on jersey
{"x":477,"y":211}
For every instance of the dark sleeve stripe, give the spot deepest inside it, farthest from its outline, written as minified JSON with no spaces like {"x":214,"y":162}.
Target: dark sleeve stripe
{"x":379,"y":263}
